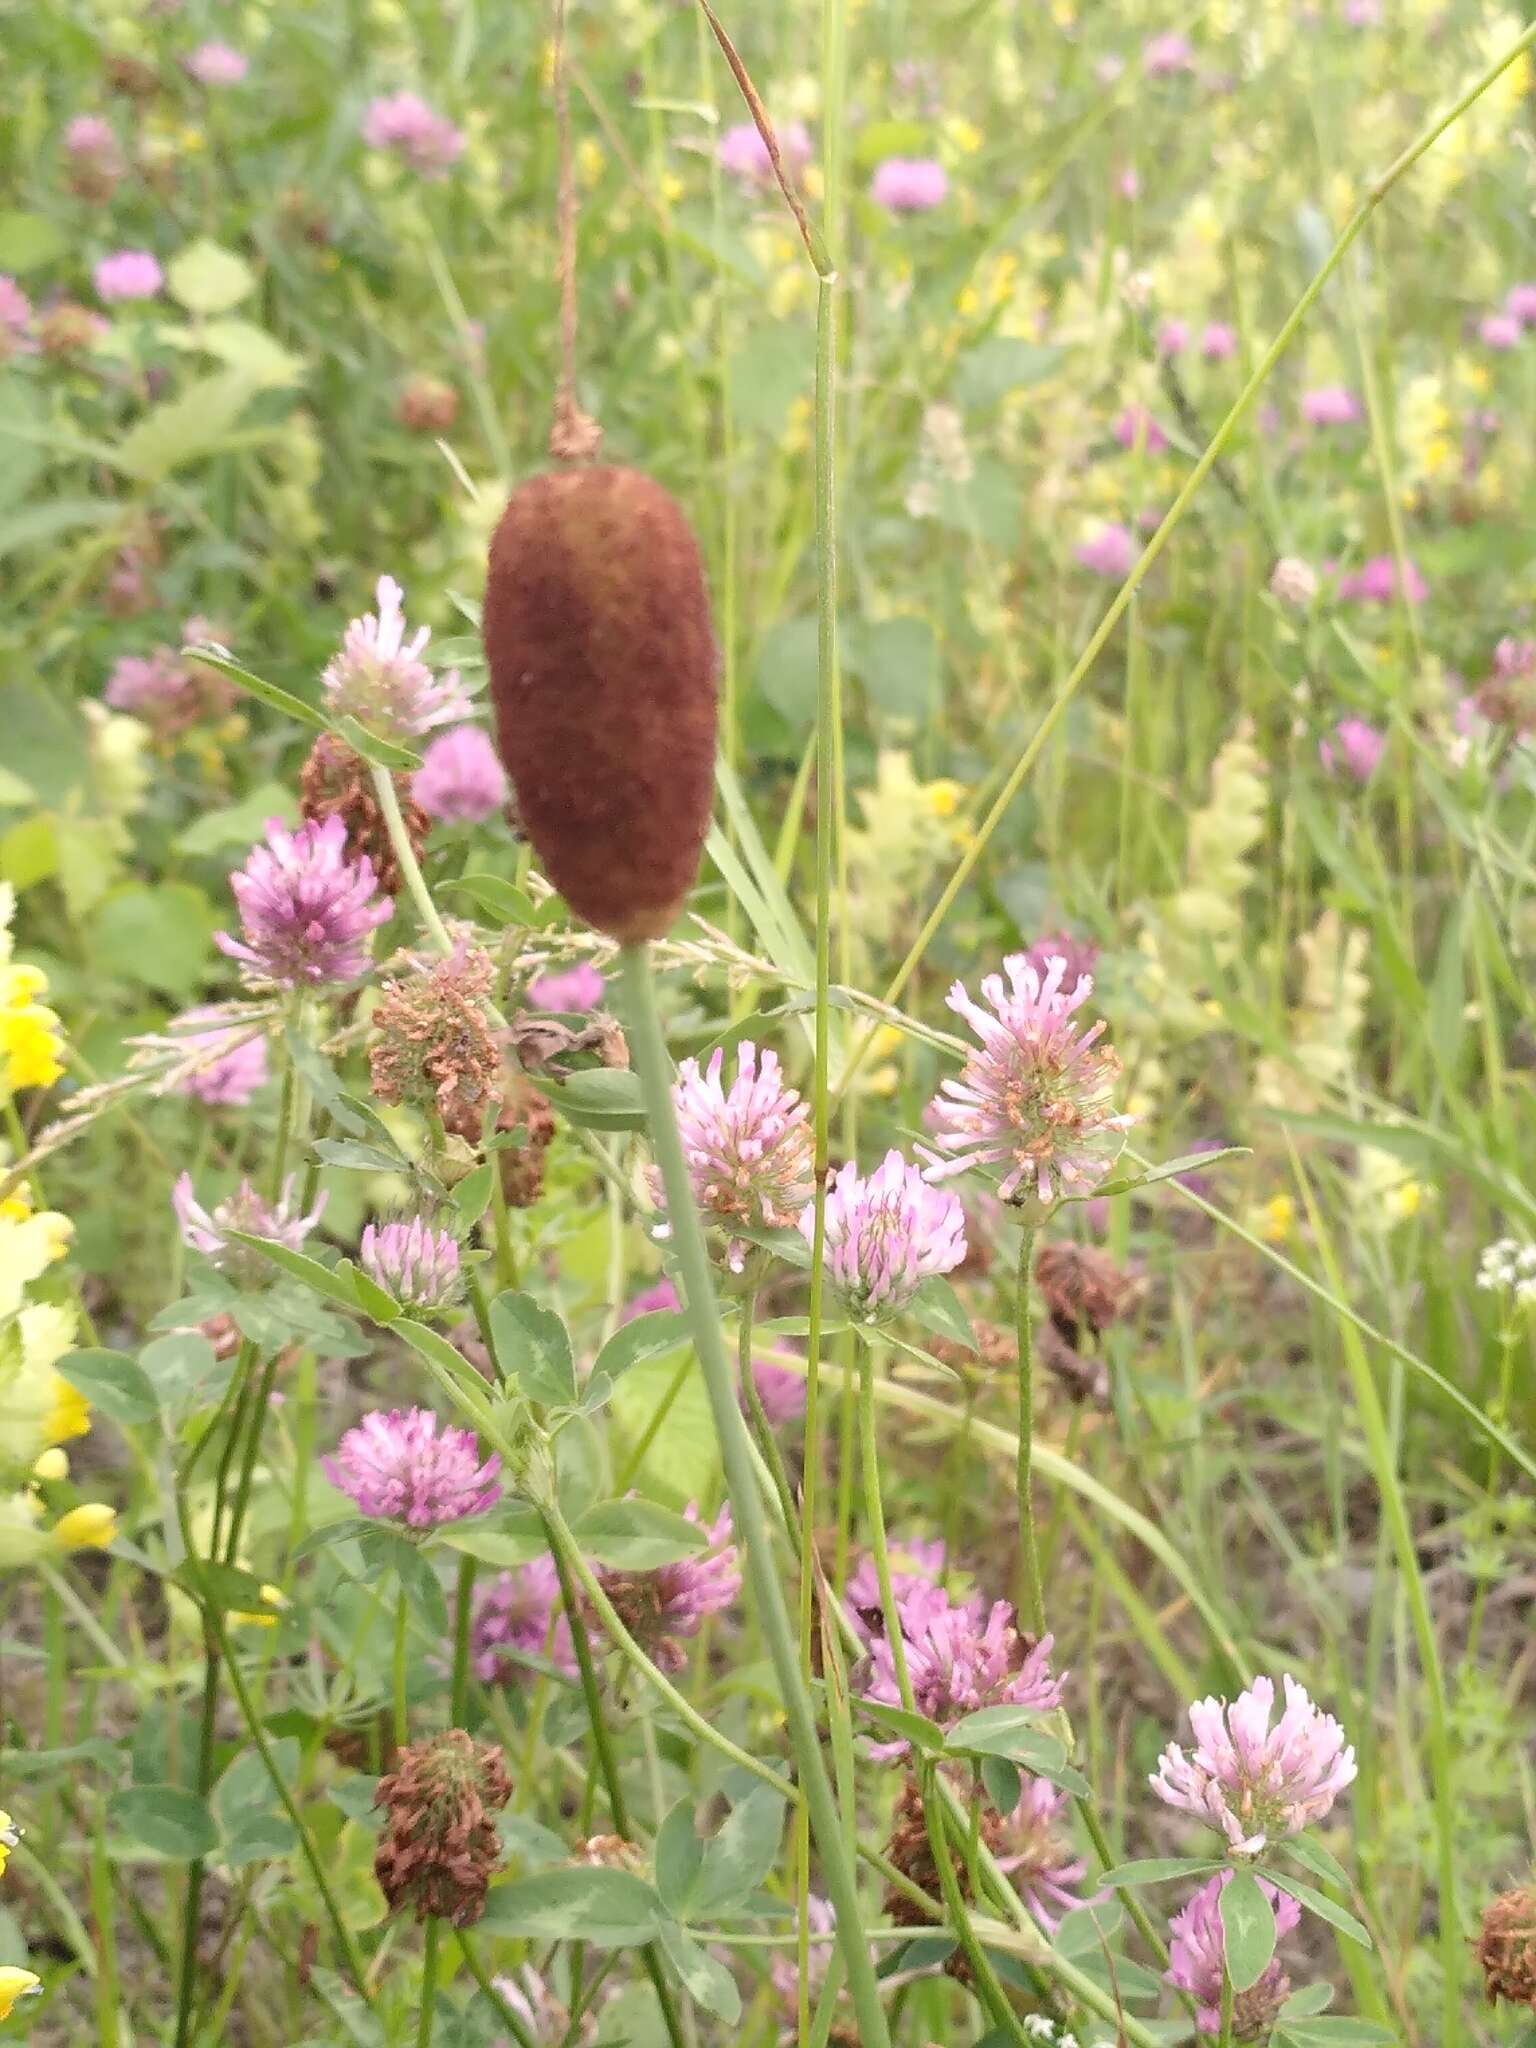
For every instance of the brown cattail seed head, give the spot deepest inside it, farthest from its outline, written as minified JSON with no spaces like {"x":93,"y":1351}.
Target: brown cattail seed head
{"x":1506,"y":1948}
{"x":439,"y":1845}
{"x":335,"y":783}
{"x":602,"y":658}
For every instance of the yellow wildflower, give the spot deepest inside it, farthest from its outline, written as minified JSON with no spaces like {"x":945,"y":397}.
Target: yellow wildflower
{"x":28,"y":1246}
{"x":16,"y":1983}
{"x":1276,"y":1219}
{"x":10,"y":1835}
{"x":274,"y":1601}
{"x":51,"y":1465}
{"x":91,"y":1526}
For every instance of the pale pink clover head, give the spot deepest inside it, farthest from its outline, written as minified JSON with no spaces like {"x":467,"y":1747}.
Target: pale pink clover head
{"x":1035,"y":1097}
{"x":1255,"y":1784}
{"x":380,"y":679}
{"x":885,"y":1234}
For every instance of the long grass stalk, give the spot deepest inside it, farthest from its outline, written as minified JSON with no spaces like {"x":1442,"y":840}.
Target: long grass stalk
{"x":741,"y":1483}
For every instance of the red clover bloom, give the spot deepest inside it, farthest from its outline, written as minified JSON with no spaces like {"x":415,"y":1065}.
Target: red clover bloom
{"x":658,"y":1607}
{"x":1253,"y":1782}
{"x":403,"y":122}
{"x":885,"y":1236}
{"x":217,"y":64}
{"x":742,"y":151}
{"x":418,"y":1265}
{"x":460,"y":780}
{"x":130,"y":274}
{"x":748,"y":1147}
{"x":519,"y":1611}
{"x":405,"y":1467}
{"x":1197,"y":1955}
{"x":961,"y":1658}
{"x":909,"y":184}
{"x":380,"y":679}
{"x":279,"y":1222}
{"x":1035,"y":1097}
{"x":573,"y":992}
{"x":306,"y":911}
{"x":227,"y":1062}
{"x":1039,"y":1864}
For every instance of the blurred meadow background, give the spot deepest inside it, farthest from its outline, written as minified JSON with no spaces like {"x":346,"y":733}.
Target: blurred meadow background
{"x":279,"y":316}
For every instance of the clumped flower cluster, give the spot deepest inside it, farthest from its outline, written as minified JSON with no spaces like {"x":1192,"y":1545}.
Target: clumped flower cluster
{"x":307,"y":911}
{"x":407,"y":1467}
{"x":434,"y":1048}
{"x":664,"y":1607}
{"x":1506,"y":1947}
{"x":439,"y":1846}
{"x":335,"y":782}
{"x":418,"y":1265}
{"x":909,"y":184}
{"x":742,"y":151}
{"x":380,"y":679}
{"x":1251,"y":1782}
{"x":748,"y":1147}
{"x":885,"y":1235}
{"x":1197,"y":1952}
{"x":1035,"y":1099}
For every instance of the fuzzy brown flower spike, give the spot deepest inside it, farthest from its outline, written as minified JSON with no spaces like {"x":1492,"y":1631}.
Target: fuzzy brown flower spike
{"x":1506,"y":1947}
{"x":439,"y":1845}
{"x":602,"y":658}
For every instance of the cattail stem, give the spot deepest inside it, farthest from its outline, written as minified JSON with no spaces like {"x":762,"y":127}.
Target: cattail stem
{"x":741,"y":1484}
{"x":1034,"y":1599}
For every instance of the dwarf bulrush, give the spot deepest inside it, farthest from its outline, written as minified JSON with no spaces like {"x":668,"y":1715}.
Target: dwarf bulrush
{"x":1255,"y":1783}
{"x":602,"y":657}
